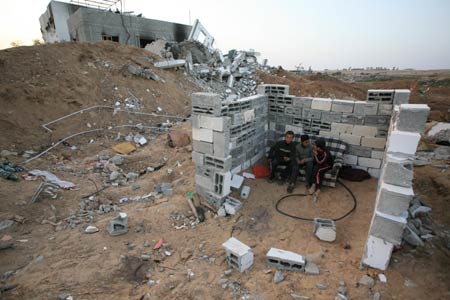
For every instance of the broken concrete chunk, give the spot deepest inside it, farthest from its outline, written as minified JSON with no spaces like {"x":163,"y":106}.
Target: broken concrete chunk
{"x":311,"y":268}
{"x":232,"y":205}
{"x":118,"y":159}
{"x":419,"y":210}
{"x":367,"y":281}
{"x":91,"y":229}
{"x":325,"y":229}
{"x":278,"y":277}
{"x":170,"y":64}
{"x":118,"y":225}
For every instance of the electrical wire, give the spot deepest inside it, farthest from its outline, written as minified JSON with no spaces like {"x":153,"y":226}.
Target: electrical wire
{"x":309,"y":219}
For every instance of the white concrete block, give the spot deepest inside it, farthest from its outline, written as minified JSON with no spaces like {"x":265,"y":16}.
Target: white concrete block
{"x":403,"y":142}
{"x":249,"y":115}
{"x":374,"y":172}
{"x":236,"y":170}
{"x":344,"y":106}
{"x":369,"y":162}
{"x":377,"y":253}
{"x":232,"y":205}
{"x":204,"y":182}
{"x":341,"y":128}
{"x":377,"y":154}
{"x":202,"y":134}
{"x":236,"y":247}
{"x":198,"y":158}
{"x":329,"y":134}
{"x":373,"y":142}
{"x":321,"y":104}
{"x":214,"y":123}
{"x":350,"y":138}
{"x":236,"y":182}
{"x":364,"y":130}
{"x":349,"y":159}
{"x":401,"y":97}
{"x":285,"y":256}
{"x":295,"y":129}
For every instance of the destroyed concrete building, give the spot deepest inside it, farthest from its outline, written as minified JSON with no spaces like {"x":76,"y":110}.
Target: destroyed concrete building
{"x":63,"y":22}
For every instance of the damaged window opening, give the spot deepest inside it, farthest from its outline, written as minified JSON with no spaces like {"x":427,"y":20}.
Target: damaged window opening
{"x":144,"y":41}
{"x":114,"y":38}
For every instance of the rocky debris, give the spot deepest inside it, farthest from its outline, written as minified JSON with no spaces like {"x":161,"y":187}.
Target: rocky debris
{"x":382,"y":278}
{"x":418,"y":229}
{"x":440,"y":133}
{"x":366,"y":281}
{"x":91,"y":229}
{"x":321,"y":286}
{"x":8,"y":171}
{"x":311,"y":268}
{"x":7,"y":153}
{"x":146,"y":73}
{"x":376,"y":296}
{"x":4,"y":224}
{"x":118,"y":225}
{"x":181,"y":221}
{"x":278,"y":277}
{"x":409,"y":283}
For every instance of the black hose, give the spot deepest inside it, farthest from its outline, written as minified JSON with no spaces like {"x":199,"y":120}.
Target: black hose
{"x":309,"y":219}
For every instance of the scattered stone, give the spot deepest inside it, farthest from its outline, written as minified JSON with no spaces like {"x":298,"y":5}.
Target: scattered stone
{"x":145,"y":257}
{"x":132,"y":176}
{"x":6,"y":153}
{"x":146,"y":244}
{"x":5,"y":224}
{"x":295,"y":296}
{"x":221,"y":212}
{"x":278,"y":277}
{"x":131,"y":246}
{"x":91,"y":229}
{"x":367,"y":281}
{"x":340,"y":297}
{"x":342,"y":290}
{"x":39,"y":259}
{"x":320,"y":286}
{"x":311,"y":268}
{"x":228,"y":272}
{"x":382,"y":278}
{"x":114,"y":175}
{"x":376,"y":296}
{"x":118,"y":159}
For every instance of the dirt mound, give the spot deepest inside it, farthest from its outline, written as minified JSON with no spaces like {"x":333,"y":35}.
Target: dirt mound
{"x":41,"y":83}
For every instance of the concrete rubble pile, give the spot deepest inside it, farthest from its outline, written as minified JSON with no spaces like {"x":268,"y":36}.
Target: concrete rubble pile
{"x":232,"y":75}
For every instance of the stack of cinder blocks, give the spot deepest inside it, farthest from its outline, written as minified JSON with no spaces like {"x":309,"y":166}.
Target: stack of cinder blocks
{"x":395,"y":185}
{"x":363,"y":125}
{"x":227,"y":137}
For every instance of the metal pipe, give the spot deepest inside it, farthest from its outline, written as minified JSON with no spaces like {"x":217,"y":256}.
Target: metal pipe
{"x":89,"y":131}
{"x":108,"y":107}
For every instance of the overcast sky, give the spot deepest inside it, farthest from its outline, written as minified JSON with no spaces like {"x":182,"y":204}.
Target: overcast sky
{"x":319,"y":33}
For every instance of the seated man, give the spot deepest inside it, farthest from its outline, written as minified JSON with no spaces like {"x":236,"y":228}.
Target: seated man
{"x":283,"y":153}
{"x":304,"y":159}
{"x":323,"y":161}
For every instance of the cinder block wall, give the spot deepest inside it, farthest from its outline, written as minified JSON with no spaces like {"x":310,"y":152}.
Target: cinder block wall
{"x":395,"y":190}
{"x":363,"y":125}
{"x":227,"y":137}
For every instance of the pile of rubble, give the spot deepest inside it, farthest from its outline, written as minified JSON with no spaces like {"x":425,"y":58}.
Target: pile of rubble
{"x":418,"y":228}
{"x":232,"y":75}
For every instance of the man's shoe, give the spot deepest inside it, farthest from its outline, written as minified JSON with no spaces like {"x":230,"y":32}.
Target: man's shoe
{"x":290,"y":188}
{"x":271,"y":179}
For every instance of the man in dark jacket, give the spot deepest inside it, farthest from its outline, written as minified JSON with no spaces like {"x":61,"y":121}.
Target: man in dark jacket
{"x":283,"y":153}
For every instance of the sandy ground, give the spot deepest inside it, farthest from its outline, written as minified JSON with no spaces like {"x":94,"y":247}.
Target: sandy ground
{"x":99,"y":266}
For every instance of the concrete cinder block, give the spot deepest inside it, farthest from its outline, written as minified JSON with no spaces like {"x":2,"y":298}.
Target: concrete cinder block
{"x":222,"y":183}
{"x":283,"y":259}
{"x":198,"y":158}
{"x":359,"y":150}
{"x":195,"y":119}
{"x":412,"y":117}
{"x":369,"y":162}
{"x":341,"y":128}
{"x":202,"y":135}
{"x":236,"y":182}
{"x":206,"y":104}
{"x":204,"y":182}
{"x":365,"y":108}
{"x":382,"y":96}
{"x":221,"y":143}
{"x":373,"y":142}
{"x":329,"y":134}
{"x":388,"y":227}
{"x":403,"y":142}
{"x":321,"y":104}
{"x":295,"y":129}
{"x":203,"y":147}
{"x":366,"y":131}
{"x":377,"y":253}
{"x":344,"y":106}
{"x":401,"y":96}
{"x":214,"y":123}
{"x":376,"y":173}
{"x":377,"y":154}
{"x":302,"y":102}
{"x":385,"y":109}
{"x":325,"y":229}
{"x":398,"y":171}
{"x":349,"y":159}
{"x":350,"y":138}
{"x":249,"y":115}
{"x":238,"y":255}
{"x":232,"y":205}
{"x":393,"y":200}
{"x":218,"y":163}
